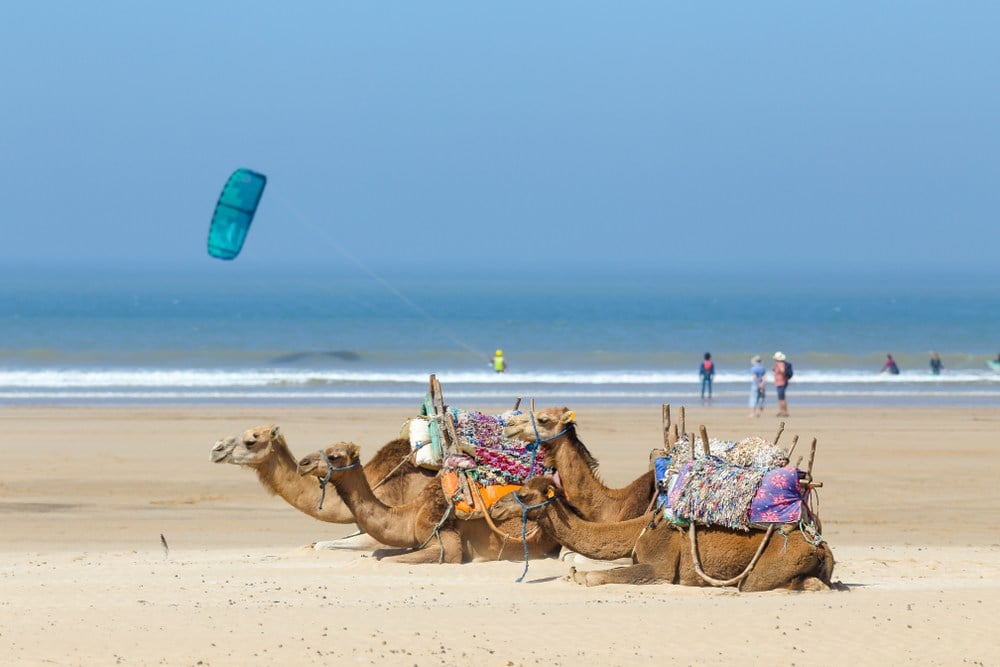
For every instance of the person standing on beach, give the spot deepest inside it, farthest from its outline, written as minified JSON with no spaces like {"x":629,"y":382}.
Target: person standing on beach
{"x":890,"y":366}
{"x":707,"y":372}
{"x":499,"y":363}
{"x":782,"y":374}
{"x":936,"y":365}
{"x":758,"y":382}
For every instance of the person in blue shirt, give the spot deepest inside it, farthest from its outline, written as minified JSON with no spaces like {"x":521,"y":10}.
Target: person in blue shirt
{"x":758,"y":381}
{"x":936,"y":364}
{"x":707,"y":372}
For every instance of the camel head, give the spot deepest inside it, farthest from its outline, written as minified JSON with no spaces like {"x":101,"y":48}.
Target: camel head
{"x":338,"y":455}
{"x":550,"y":423}
{"x":536,"y":493}
{"x":257,"y":445}
{"x":223,"y":449}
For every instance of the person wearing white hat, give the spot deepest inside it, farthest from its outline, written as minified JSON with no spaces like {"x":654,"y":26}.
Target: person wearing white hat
{"x":781,"y":377}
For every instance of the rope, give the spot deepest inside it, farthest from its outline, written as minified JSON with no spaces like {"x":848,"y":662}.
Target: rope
{"x":524,"y":529}
{"x":650,"y":524}
{"x":489,"y":519}
{"x":738,"y":578}
{"x":533,"y":446}
{"x":437,"y":532}
{"x":817,"y":539}
{"x":390,"y":473}
{"x":330,"y":469}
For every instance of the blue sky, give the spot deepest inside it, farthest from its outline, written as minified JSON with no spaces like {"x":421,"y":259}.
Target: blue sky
{"x":534,"y":134}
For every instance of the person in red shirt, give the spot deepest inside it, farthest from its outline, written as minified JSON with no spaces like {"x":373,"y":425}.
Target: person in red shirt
{"x":707,"y":372}
{"x":780,"y":370}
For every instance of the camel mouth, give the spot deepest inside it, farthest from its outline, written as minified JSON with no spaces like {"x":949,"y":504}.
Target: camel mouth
{"x":307,"y":466}
{"x":222,"y":450}
{"x":513,"y":432}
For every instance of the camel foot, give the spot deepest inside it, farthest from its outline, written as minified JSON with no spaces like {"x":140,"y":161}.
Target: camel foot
{"x":379,"y":554}
{"x":808,"y":584}
{"x":357,"y":541}
{"x":425,"y":556}
{"x":578,"y":576}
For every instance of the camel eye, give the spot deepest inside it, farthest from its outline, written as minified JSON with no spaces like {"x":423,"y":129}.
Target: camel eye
{"x":543,"y":420}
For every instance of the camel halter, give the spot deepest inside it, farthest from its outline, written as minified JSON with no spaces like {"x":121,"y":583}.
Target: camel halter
{"x":524,"y":529}
{"x":330,"y":469}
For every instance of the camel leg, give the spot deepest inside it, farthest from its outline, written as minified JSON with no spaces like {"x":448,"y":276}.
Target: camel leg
{"x":430,"y":553}
{"x":638,"y":575}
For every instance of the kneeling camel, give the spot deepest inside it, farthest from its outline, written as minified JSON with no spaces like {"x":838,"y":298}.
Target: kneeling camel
{"x":394,"y":477}
{"x":426,"y":528}
{"x":662,"y":552}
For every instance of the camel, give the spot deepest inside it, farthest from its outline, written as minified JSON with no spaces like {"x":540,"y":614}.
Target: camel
{"x":661,"y":552}
{"x":577,"y":467}
{"x":264,"y":449}
{"x":223,"y":448}
{"x":426,"y":528}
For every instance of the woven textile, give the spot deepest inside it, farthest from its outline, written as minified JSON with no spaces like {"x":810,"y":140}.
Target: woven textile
{"x":711,"y":491}
{"x":499,"y":460}
{"x":751,"y":451}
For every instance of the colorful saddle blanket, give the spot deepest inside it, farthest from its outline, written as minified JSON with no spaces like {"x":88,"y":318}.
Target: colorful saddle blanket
{"x":711,"y":491}
{"x":496,"y":460}
{"x":492,"y":465}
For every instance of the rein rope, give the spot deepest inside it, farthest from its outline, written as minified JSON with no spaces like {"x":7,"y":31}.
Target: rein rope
{"x":649,"y":524}
{"x":495,"y":528}
{"x":524,"y":529}
{"x":330,"y":469}
{"x":437,"y":532}
{"x":391,"y":472}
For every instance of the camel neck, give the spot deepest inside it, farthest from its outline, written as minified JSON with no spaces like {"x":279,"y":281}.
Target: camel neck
{"x":282,"y":478}
{"x":601,"y":541}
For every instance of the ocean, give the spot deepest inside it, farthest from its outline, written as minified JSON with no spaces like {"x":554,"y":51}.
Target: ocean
{"x":244,"y":334}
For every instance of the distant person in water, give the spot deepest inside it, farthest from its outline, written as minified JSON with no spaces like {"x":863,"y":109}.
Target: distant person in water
{"x":936,"y":364}
{"x":890,"y":366}
{"x":758,"y":381}
{"x":499,"y":363}
{"x":707,"y":372}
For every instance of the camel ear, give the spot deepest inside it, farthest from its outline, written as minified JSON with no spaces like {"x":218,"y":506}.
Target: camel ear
{"x":354,"y":451}
{"x":568,"y":417}
{"x":275,"y":432}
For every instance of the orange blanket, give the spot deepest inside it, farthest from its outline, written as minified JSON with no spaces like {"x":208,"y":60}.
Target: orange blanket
{"x":489,"y":494}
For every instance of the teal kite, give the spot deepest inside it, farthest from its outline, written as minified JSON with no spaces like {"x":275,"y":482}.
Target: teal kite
{"x":234,"y":213}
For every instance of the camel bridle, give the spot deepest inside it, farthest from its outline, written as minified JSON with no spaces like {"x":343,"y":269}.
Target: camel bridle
{"x":330,"y":469}
{"x":539,"y":441}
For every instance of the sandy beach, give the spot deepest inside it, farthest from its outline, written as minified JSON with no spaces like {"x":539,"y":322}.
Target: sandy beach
{"x":910,"y":507}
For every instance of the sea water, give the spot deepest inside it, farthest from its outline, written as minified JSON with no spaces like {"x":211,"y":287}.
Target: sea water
{"x":238,"y":333}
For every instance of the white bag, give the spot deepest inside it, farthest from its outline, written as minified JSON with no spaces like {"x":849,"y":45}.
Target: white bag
{"x":420,"y":443}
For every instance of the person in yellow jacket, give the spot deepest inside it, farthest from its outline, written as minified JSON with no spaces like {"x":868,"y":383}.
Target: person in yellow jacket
{"x":499,"y":363}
